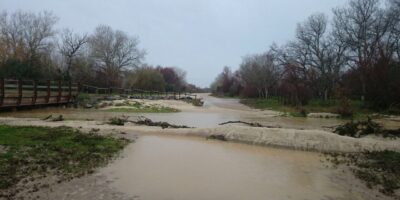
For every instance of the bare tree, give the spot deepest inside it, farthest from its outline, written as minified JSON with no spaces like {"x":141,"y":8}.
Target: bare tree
{"x":260,"y":71}
{"x":113,"y":52}
{"x":70,"y":47}
{"x":312,"y":38}
{"x":27,"y":34}
{"x":361,"y":26}
{"x":324,"y":53}
{"x":392,"y":45}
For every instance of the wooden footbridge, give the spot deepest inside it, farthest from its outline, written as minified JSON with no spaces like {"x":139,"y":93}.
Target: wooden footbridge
{"x":25,"y":93}
{"x":22,"y":93}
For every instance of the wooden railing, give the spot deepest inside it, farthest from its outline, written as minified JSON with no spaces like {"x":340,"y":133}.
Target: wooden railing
{"x":17,"y":93}
{"x":134,"y":93}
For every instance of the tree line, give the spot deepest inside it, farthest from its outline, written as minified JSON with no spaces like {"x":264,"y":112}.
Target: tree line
{"x":32,"y":48}
{"x":353,"y":55}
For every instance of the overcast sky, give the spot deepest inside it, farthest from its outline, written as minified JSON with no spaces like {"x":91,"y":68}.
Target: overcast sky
{"x":199,"y":36}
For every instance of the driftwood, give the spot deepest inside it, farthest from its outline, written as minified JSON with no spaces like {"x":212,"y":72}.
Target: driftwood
{"x":118,"y":121}
{"x":249,"y":124}
{"x":48,"y":117}
{"x":58,"y":119}
{"x":358,"y":129}
{"x":53,"y":119}
{"x":217,"y":137}
{"x":148,"y":122}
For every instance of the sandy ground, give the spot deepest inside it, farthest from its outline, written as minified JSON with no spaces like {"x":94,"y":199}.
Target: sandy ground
{"x":309,"y":140}
{"x":299,"y":134}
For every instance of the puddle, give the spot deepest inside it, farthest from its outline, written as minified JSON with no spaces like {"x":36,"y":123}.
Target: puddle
{"x":165,"y":167}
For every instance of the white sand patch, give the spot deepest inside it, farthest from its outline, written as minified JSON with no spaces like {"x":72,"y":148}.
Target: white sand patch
{"x":309,"y":140}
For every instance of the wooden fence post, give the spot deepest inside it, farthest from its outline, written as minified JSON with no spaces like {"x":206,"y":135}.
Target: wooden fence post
{"x":69,"y":91}
{"x":48,"y":91}
{"x":2,"y":91}
{"x":34,"y":92}
{"x":59,"y":91}
{"x":78,"y":88}
{"x":19,"y":93}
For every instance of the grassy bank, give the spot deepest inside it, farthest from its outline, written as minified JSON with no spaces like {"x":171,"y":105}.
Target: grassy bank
{"x":145,"y":110}
{"x":316,"y":106}
{"x":137,"y":107}
{"x":27,"y":153}
{"x":377,"y":169}
{"x":224,"y":96}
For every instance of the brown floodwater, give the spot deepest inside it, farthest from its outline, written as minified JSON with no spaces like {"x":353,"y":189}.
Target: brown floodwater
{"x":192,"y":119}
{"x":160,"y":167}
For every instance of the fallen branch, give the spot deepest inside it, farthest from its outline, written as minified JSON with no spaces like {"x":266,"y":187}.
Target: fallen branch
{"x":53,"y":119}
{"x":148,"y":122}
{"x":118,"y":121}
{"x":249,"y":124}
{"x":58,"y":119}
{"x":217,"y":137}
{"x":48,"y":117}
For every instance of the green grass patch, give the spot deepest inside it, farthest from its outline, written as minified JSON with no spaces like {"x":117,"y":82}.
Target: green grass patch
{"x":136,"y":107}
{"x":271,"y":104}
{"x":64,"y":152}
{"x":314,"y":106}
{"x":377,"y":169}
{"x":224,"y":96}
{"x":145,"y":110}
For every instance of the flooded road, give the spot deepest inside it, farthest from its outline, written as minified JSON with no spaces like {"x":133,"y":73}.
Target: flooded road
{"x":173,"y":167}
{"x":180,"y":168}
{"x":188,"y":118}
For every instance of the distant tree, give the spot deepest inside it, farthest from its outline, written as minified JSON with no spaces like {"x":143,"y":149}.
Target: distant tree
{"x":362,"y":26}
{"x":113,"y":52}
{"x":226,"y":83}
{"x":70,"y":47}
{"x":294,"y":87}
{"x":147,"y":78}
{"x":26,"y":38}
{"x":261,"y":72}
{"x":324,"y":54}
{"x":174,"y":78}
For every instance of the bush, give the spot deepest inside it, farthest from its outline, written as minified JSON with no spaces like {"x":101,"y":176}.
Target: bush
{"x":303,"y":112}
{"x":118,"y":121}
{"x":363,"y":128}
{"x":344,"y":108}
{"x":197,"y":102}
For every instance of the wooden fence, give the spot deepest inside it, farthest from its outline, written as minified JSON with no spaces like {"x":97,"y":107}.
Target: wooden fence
{"x":18,"y":93}
{"x":134,"y":93}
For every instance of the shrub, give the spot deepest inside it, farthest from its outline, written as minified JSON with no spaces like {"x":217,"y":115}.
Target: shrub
{"x":344,"y":108}
{"x":118,"y":121}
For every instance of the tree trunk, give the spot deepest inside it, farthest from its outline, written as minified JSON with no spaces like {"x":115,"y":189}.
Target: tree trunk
{"x":363,"y":88}
{"x":326,"y":95}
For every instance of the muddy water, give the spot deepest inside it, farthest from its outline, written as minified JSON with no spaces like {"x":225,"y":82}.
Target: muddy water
{"x":192,"y":119}
{"x":165,"y":167}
